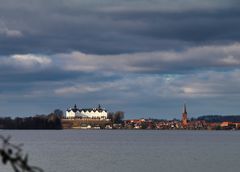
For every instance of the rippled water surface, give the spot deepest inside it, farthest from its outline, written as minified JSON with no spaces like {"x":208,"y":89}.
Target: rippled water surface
{"x":130,"y":151}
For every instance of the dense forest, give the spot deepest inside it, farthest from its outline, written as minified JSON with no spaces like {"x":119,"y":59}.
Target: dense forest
{"x":219,"y":118}
{"x":51,"y":121}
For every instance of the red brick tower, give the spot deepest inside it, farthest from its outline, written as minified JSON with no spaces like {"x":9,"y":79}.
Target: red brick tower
{"x":184,"y":116}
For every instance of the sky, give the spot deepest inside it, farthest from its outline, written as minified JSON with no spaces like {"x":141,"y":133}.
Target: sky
{"x":144,"y":57}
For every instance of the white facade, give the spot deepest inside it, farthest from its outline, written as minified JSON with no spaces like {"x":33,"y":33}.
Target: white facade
{"x":94,"y":113}
{"x":86,"y":113}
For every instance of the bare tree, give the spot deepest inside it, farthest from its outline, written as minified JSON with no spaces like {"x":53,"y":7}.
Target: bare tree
{"x":12,"y":154}
{"x":118,"y":117}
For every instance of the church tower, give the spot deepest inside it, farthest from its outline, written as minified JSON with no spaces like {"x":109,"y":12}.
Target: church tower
{"x":184,"y":116}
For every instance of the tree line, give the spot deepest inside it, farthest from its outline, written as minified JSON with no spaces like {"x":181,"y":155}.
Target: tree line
{"x":51,"y":121}
{"x":220,"y":118}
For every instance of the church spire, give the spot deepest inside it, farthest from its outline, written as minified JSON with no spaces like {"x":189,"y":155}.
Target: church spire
{"x":184,"y":116}
{"x":185,"y":109}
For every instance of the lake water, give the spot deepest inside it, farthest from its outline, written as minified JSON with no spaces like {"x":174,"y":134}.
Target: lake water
{"x":129,"y":151}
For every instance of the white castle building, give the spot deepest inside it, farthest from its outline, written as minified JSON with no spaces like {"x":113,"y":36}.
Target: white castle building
{"x":86,"y":113}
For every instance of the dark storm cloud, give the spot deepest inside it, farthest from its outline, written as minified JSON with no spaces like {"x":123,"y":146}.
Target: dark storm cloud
{"x":113,"y":27}
{"x":194,"y":26}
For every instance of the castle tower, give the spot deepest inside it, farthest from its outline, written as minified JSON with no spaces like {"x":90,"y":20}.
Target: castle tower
{"x":184,"y":116}
{"x":75,"y":106}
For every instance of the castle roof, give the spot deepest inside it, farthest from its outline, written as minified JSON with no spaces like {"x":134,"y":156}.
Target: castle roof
{"x":98,"y":109}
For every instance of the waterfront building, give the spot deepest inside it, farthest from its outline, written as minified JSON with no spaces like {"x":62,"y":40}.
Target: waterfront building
{"x":98,"y":112}
{"x":184,"y":116}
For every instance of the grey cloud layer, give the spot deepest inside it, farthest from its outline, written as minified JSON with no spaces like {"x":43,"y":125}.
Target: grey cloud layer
{"x":216,"y":57}
{"x":162,"y":62}
{"x":114,"y":27}
{"x":76,"y":68}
